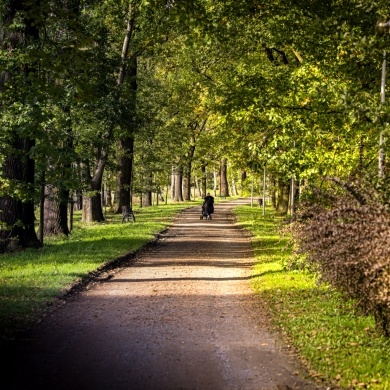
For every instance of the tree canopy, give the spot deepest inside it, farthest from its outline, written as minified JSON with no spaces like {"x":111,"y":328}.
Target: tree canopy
{"x":101,"y":87}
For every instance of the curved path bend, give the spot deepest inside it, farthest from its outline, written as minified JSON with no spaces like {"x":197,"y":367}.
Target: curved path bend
{"x":182,"y":316}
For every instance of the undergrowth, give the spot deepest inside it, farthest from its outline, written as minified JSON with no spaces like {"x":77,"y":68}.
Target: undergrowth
{"x":337,"y":345}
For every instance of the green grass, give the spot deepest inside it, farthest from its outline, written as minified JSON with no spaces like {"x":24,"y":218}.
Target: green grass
{"x":336,"y":344}
{"x":32,"y":279}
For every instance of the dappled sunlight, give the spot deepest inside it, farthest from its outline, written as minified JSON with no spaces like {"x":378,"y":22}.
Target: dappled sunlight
{"x":154,"y":287}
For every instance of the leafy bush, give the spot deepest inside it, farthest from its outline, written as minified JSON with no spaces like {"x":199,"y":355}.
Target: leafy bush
{"x":347,"y":236}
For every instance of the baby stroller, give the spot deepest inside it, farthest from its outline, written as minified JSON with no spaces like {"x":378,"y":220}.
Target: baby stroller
{"x":207,"y":210}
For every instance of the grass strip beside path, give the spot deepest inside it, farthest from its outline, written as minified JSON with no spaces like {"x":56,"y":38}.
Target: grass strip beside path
{"x":32,"y":279}
{"x":336,"y":344}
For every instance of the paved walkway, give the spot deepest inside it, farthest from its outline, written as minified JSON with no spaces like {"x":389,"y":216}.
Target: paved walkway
{"x":183,"y":316}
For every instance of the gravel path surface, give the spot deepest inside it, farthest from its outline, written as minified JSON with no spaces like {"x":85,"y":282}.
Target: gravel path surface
{"x":183,"y":316}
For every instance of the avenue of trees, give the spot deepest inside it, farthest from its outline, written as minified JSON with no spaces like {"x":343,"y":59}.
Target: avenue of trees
{"x":132,"y":97}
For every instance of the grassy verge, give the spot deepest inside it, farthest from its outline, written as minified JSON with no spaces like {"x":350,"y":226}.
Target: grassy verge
{"x":336,"y":344}
{"x":32,"y":279}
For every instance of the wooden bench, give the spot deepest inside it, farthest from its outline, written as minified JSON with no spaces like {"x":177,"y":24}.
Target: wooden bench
{"x":127,"y":214}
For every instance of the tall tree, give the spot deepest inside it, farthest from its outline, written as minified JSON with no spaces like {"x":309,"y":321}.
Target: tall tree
{"x":19,"y":33}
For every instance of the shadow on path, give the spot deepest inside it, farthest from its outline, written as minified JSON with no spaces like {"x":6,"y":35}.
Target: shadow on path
{"x":182,"y":316}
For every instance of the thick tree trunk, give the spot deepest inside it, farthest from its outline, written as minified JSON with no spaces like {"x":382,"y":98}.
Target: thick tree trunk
{"x":92,"y":205}
{"x":57,"y":198}
{"x":125,"y":164}
{"x":283,"y":197}
{"x":224,"y":179}
{"x":126,"y":145}
{"x":56,"y":211}
{"x":92,"y":210}
{"x":178,"y":193}
{"x":147,"y":197}
{"x":147,"y":200}
{"x":17,"y":213}
{"x":126,"y":139}
{"x":92,"y":201}
{"x":186,"y":188}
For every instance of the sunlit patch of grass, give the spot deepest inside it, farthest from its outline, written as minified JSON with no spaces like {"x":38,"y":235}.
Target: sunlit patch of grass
{"x":337,"y":344}
{"x":31,"y":279}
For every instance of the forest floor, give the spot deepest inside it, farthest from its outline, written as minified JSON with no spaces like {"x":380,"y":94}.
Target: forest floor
{"x":182,"y":315}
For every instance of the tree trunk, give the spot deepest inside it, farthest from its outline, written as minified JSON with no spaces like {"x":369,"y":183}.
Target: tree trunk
{"x":224,"y":179}
{"x":92,"y":201}
{"x":56,"y":207}
{"x":17,"y":215}
{"x":283,"y":197}
{"x":186,"y":187}
{"x":57,"y":198}
{"x":215,"y":176}
{"x":108,"y":197}
{"x":126,"y":146}
{"x":92,"y":204}
{"x":173,"y":183}
{"x":126,"y":139}
{"x":147,"y":199}
{"x":187,"y":182}
{"x":92,"y":210}
{"x":125,"y":163}
{"x":198,"y":187}
{"x":178,"y":193}
{"x":18,"y":167}
{"x":204,"y":181}
{"x":234,"y":187}
{"x":188,"y":169}
{"x":243,"y":180}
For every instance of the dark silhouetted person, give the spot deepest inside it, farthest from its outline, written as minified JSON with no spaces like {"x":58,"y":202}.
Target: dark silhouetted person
{"x":208,"y":206}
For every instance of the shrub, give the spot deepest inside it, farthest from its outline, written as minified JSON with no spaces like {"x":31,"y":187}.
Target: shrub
{"x":347,"y":236}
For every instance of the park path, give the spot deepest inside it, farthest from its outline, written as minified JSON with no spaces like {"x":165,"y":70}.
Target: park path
{"x":182,"y":316}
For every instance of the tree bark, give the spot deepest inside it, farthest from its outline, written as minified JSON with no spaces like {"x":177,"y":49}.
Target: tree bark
{"x":147,"y":198}
{"x":124,"y":178}
{"x":18,"y":168}
{"x":283,"y":197}
{"x":187,"y":187}
{"x":198,"y":187}
{"x":234,"y":187}
{"x":126,"y":138}
{"x":17,"y":215}
{"x":56,"y":211}
{"x":108,"y":197}
{"x":92,"y":200}
{"x":224,"y":179}
{"x":178,"y":193}
{"x":57,"y":196}
{"x":204,"y":180}
{"x":187,"y":181}
{"x":126,"y":146}
{"x":215,"y":187}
